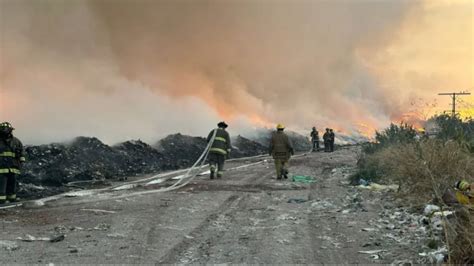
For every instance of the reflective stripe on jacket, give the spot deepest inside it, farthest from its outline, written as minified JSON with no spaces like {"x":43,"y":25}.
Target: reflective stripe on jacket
{"x":12,"y":155}
{"x":221,"y":144}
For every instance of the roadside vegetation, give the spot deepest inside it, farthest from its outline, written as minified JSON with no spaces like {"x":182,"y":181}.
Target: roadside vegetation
{"x":426,"y":165}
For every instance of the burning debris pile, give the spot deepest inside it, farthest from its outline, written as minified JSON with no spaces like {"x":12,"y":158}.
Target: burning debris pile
{"x":88,"y":159}
{"x":300,"y":142}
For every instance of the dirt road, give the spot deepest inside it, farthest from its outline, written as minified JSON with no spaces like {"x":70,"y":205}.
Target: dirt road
{"x":246,"y":217}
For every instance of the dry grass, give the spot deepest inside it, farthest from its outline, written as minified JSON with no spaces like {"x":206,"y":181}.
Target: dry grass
{"x":424,"y":171}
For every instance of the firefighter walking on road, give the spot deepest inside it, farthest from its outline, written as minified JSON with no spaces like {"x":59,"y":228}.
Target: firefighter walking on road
{"x":12,"y":155}
{"x":315,"y":139}
{"x":220,"y":149}
{"x":281,"y":149}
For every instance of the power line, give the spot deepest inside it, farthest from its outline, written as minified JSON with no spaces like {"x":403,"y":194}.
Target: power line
{"x":453,"y":97}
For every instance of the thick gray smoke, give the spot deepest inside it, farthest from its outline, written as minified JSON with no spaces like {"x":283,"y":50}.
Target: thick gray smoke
{"x":141,"y":69}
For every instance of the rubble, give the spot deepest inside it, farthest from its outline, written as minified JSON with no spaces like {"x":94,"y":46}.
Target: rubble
{"x":54,"y":239}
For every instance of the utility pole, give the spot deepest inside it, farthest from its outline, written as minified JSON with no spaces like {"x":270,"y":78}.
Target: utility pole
{"x":453,"y":96}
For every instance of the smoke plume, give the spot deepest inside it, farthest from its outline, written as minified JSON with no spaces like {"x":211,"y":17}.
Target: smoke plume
{"x":142,"y":69}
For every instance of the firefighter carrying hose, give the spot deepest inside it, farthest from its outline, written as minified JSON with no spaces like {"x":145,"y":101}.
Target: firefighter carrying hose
{"x":12,"y":155}
{"x":220,"y":149}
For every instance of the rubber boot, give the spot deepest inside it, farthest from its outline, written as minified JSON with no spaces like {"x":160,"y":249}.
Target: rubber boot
{"x":285,"y":174}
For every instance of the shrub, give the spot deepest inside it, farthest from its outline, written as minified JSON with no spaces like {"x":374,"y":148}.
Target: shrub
{"x":393,"y":135}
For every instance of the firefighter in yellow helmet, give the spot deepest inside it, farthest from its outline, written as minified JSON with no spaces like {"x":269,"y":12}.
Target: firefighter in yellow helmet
{"x":12,"y":155}
{"x":220,"y":149}
{"x":281,"y":149}
{"x":464,"y":192}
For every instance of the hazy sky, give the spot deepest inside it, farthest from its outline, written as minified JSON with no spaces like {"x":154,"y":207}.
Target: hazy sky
{"x":121,"y":69}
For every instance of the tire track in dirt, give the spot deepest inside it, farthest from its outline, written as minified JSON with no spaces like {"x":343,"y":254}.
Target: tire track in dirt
{"x":203,"y":236}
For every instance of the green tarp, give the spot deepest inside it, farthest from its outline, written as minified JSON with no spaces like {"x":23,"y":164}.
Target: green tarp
{"x":303,"y":179}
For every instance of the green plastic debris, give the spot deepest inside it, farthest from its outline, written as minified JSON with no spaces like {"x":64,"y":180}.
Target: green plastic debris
{"x":303,"y":179}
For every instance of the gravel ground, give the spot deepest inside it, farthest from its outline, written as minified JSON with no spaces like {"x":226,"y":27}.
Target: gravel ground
{"x":246,"y":217}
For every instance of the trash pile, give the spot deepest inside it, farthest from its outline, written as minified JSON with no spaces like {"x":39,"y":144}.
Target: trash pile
{"x":181,"y":150}
{"x":422,"y":232}
{"x":243,"y":147}
{"x":87,"y":160}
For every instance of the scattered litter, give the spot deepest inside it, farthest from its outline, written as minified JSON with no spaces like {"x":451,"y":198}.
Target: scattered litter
{"x":295,"y":200}
{"x":9,"y":245}
{"x":371,"y":252}
{"x":286,"y":217}
{"x":390,"y":226}
{"x":97,"y":211}
{"x":377,"y":244}
{"x":443,"y":213}
{"x":30,"y":238}
{"x":402,"y":263}
{"x":73,"y":250}
{"x":375,"y":257}
{"x":116,"y":235}
{"x":378,"y":187}
{"x":322,"y":205}
{"x":100,"y":227}
{"x":283,"y":241}
{"x":303,"y":179}
{"x":436,"y":256}
{"x":189,"y":237}
{"x":368,"y":229}
{"x":429,"y":209}
{"x":346,"y":211}
{"x":363,"y":182}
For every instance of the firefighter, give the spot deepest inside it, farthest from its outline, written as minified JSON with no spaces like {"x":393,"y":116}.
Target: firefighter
{"x":281,"y":150}
{"x":12,"y":156}
{"x":464,"y":192}
{"x":220,"y":149}
{"x":315,"y":139}
{"x":326,"y":138}
{"x":331,"y":140}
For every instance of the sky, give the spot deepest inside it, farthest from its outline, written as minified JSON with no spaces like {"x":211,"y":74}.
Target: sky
{"x":123,"y":69}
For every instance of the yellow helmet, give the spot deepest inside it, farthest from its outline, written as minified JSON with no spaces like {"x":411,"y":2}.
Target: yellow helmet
{"x":280,"y":126}
{"x":462,"y":185}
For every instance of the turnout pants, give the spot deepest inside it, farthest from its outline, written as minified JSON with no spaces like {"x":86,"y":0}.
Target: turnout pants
{"x":216,"y":162}
{"x":326,"y":146}
{"x":281,"y":167}
{"x":7,"y":187}
{"x":315,"y":145}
